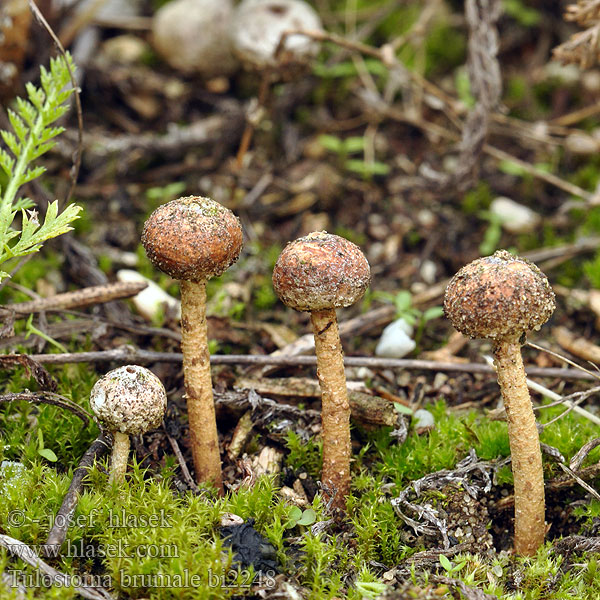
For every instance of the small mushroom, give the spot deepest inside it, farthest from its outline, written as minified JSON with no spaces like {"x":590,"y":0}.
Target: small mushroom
{"x":502,"y":297}
{"x":192,"y":239}
{"x":257,"y":27}
{"x":127,"y":401}
{"x":317,"y":274}
{"x":257,"y":30}
{"x":193,"y":36}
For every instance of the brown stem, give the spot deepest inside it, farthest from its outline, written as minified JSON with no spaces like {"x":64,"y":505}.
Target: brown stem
{"x":524,"y":448}
{"x":204,"y":438}
{"x":335,"y":409}
{"x":120,"y":453}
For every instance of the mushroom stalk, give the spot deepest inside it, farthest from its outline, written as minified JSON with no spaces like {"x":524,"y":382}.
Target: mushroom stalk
{"x":204,"y":437}
{"x":524,"y":448}
{"x":118,"y":461}
{"x":319,"y":273}
{"x":335,"y":409}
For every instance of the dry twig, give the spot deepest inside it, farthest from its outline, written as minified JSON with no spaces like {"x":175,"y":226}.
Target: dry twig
{"x":61,"y":522}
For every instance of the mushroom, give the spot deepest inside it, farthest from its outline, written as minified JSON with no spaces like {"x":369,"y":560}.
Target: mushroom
{"x":192,"y":239}
{"x":317,"y":274}
{"x":258,"y":25}
{"x":127,"y":401}
{"x":502,"y":297}
{"x":257,"y":30}
{"x":193,"y":36}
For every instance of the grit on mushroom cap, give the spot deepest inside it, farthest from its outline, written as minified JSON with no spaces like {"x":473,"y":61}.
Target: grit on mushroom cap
{"x":321,"y":271}
{"x":499,"y":296}
{"x":192,"y":238}
{"x":129,"y":399}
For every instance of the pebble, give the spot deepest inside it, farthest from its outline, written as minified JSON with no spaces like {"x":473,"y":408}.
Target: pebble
{"x":581,"y":144}
{"x":423,"y":420}
{"x":150,"y":301}
{"x":516,"y":218}
{"x":396,"y":341}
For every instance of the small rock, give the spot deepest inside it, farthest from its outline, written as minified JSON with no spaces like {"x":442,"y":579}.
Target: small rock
{"x":515,"y":217}
{"x":428,"y":271}
{"x":150,"y":301}
{"x":125,"y":49}
{"x":581,"y":144}
{"x":423,"y":420}
{"x":396,"y":341}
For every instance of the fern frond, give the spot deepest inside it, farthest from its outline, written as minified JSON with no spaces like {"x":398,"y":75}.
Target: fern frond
{"x":32,"y":135}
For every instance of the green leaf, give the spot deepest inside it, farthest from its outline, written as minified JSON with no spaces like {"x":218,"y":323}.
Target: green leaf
{"x":435,"y":312}
{"x":403,"y":410}
{"x":295,"y":514}
{"x":354,"y":144}
{"x":367,"y":168}
{"x":331,"y":143}
{"x":48,"y":454}
{"x":309,"y":516}
{"x":445,"y":562}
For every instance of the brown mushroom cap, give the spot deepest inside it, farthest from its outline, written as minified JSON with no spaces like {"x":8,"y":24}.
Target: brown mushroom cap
{"x":192,"y":238}
{"x":499,"y":296}
{"x":321,"y":271}
{"x":129,"y":399}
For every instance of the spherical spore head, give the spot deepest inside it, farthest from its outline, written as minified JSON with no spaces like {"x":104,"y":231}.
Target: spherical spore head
{"x":193,"y":36}
{"x":321,"y":271}
{"x":129,"y":399}
{"x":257,"y":26}
{"x":192,"y":238}
{"x":498,"y":297}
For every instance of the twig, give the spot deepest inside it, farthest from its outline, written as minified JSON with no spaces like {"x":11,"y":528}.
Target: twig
{"x":566,"y":186}
{"x":554,"y":485}
{"x":175,"y":139}
{"x":181,"y":460}
{"x":84,"y":297}
{"x":571,"y":402}
{"x":558,"y":332}
{"x":131,"y":354}
{"x":28,"y":554}
{"x":588,"y":488}
{"x":582,"y":453}
{"x":61,"y":523}
{"x":49,"y":398}
{"x":18,"y":591}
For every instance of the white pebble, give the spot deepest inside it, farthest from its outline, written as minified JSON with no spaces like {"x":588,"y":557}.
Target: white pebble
{"x":396,"y":341}
{"x":423,"y":419}
{"x":515,"y":217}
{"x":581,"y":143}
{"x":151,"y":300}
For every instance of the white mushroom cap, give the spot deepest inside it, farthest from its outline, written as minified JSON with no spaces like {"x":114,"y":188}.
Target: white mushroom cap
{"x":257,"y":26}
{"x":129,"y":399}
{"x":193,"y":36}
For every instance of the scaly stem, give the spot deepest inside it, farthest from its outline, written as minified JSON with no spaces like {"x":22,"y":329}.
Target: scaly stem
{"x":204,"y":437}
{"x":120,"y":453}
{"x":524,"y":448}
{"x":335,"y":409}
